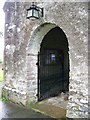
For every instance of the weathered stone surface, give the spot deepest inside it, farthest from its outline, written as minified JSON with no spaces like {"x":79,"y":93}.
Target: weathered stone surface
{"x":22,"y":44}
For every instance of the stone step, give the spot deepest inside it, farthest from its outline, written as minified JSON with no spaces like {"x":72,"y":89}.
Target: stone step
{"x":50,"y":110}
{"x":54,"y":107}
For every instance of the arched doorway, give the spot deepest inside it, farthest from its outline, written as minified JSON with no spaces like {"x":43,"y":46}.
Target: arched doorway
{"x":53,"y":64}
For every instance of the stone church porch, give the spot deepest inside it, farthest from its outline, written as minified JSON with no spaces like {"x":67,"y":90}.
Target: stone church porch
{"x":54,"y":45}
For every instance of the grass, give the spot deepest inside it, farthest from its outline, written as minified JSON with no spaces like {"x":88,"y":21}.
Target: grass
{"x":3,"y":99}
{"x":1,"y":75}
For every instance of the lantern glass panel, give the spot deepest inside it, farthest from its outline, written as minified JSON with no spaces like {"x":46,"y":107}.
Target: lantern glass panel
{"x":36,"y":13}
{"x":29,"y":13}
{"x":40,"y":13}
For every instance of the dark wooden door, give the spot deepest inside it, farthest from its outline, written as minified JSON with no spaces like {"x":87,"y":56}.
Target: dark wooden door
{"x":50,"y":73}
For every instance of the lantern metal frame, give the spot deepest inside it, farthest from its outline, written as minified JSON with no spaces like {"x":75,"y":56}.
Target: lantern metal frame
{"x":34,"y":12}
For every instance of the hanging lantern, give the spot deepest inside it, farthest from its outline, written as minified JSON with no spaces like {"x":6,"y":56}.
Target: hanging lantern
{"x":34,"y":12}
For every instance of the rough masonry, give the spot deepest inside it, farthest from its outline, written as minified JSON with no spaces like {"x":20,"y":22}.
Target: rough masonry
{"x":22,"y":43}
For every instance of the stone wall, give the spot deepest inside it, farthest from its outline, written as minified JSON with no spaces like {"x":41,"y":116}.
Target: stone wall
{"x":89,"y":56}
{"x":22,"y":43}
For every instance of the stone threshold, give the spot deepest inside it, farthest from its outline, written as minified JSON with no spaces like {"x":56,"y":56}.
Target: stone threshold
{"x":50,"y":110}
{"x":54,"y":107}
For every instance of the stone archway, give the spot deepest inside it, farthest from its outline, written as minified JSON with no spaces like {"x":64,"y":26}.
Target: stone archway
{"x":32,"y":58}
{"x":53,"y":64}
